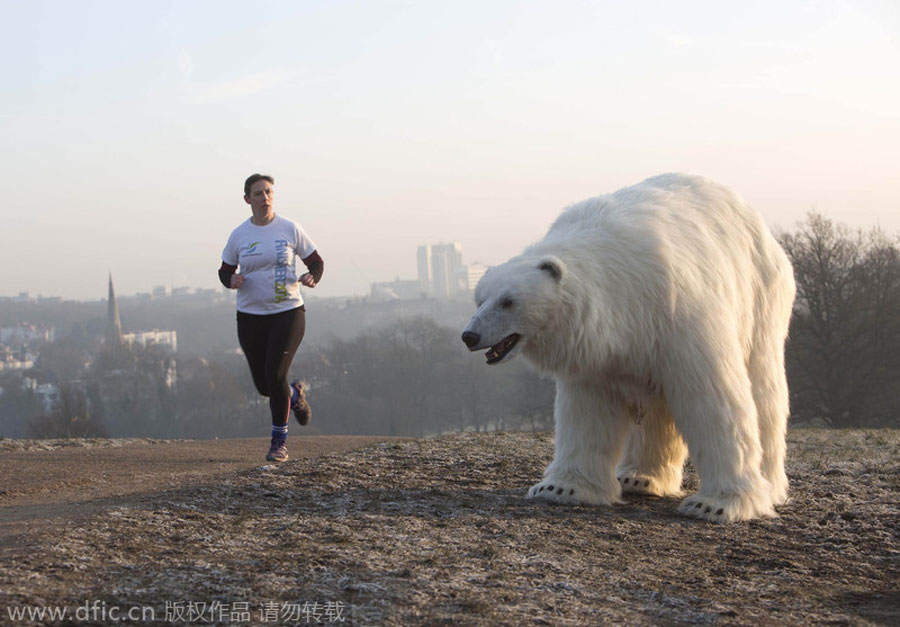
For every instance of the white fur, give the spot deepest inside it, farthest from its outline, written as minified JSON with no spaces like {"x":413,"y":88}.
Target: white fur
{"x":662,"y":311}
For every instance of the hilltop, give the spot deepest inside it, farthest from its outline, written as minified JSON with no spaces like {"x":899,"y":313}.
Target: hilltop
{"x":437,"y":531}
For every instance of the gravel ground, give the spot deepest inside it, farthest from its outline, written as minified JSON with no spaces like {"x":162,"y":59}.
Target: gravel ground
{"x":437,"y":531}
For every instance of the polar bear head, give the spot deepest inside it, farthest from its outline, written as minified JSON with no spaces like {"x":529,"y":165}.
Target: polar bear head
{"x":517,"y":302}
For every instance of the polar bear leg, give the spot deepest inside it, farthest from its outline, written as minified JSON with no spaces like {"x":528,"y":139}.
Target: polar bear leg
{"x":590,"y":437}
{"x":712,"y":403}
{"x":770,"y":394}
{"x":654,"y":455}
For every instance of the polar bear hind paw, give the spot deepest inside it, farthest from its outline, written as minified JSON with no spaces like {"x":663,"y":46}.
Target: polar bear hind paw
{"x":638,"y":483}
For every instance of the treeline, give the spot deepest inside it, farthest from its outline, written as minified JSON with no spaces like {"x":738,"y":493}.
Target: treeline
{"x":411,"y":377}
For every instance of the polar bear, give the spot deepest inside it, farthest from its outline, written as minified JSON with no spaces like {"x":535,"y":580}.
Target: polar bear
{"x":662,"y":311}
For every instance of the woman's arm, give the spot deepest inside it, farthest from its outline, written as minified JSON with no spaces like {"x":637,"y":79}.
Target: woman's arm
{"x":316,"y":267}
{"x":228,"y":277}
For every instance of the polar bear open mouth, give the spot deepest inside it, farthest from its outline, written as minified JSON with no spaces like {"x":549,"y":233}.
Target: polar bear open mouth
{"x":501,"y":349}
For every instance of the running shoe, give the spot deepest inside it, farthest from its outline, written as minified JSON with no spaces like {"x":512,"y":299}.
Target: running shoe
{"x":299,"y":406}
{"x":278,"y":451}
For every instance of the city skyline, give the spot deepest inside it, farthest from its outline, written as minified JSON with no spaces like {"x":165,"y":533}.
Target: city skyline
{"x":448,"y":277}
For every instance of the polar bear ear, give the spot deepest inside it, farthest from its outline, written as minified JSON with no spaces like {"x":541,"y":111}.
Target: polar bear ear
{"x":554,"y":267}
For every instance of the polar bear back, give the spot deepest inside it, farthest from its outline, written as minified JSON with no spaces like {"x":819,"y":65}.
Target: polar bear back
{"x":673,"y":246}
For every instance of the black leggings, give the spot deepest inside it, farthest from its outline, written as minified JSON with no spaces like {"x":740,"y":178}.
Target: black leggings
{"x":269,"y":342}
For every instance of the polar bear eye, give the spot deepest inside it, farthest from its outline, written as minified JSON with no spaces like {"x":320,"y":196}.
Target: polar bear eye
{"x":506,"y":303}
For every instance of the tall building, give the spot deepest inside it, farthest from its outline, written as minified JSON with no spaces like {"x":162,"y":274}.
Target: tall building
{"x":441,"y":270}
{"x":113,"y":322}
{"x":441,"y":274}
{"x":446,"y":268}
{"x":423,"y":263}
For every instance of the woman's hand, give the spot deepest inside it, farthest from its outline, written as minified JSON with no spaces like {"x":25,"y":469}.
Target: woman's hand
{"x":237,"y":280}
{"x":307,"y":280}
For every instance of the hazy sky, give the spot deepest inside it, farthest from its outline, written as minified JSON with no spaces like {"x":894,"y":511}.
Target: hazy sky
{"x":128,"y":128}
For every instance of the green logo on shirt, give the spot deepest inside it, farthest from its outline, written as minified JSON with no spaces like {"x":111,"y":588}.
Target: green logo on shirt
{"x":250,"y":250}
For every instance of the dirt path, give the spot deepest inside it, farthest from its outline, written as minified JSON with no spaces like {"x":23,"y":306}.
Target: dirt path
{"x":66,"y":482}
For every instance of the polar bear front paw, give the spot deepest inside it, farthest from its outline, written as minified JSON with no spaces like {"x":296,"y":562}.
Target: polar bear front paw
{"x":556,"y":491}
{"x":569,"y":492}
{"x":726,"y":509}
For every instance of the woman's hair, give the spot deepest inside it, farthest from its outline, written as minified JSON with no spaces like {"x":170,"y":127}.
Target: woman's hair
{"x":255,"y":178}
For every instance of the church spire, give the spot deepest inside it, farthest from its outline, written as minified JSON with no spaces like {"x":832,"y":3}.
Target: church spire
{"x":113,"y":323}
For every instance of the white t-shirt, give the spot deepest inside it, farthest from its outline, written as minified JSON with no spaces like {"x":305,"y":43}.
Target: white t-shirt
{"x":267,"y":258}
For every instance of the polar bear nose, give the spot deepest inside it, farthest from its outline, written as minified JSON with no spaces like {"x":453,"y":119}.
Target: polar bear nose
{"x":470,"y":339}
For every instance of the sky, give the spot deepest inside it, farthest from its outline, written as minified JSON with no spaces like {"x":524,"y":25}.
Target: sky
{"x":128,"y":128}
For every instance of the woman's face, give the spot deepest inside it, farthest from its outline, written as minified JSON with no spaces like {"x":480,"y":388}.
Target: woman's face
{"x":260,"y":198}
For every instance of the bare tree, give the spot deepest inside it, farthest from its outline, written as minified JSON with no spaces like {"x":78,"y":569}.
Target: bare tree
{"x":843,"y":354}
{"x":17,"y":403}
{"x":72,"y":417}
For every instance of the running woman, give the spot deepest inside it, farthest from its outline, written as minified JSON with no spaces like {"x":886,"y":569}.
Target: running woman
{"x":259,"y":261}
